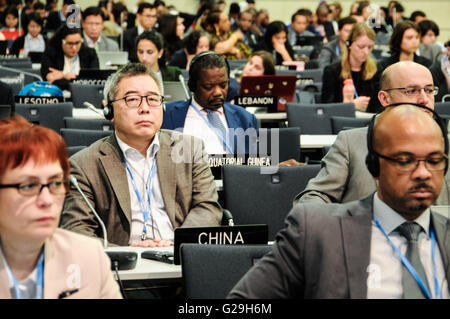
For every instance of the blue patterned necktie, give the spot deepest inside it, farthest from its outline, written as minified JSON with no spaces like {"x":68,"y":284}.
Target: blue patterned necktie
{"x":215,"y":121}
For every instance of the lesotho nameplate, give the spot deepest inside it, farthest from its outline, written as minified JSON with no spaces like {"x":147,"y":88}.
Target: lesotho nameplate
{"x":220,"y":235}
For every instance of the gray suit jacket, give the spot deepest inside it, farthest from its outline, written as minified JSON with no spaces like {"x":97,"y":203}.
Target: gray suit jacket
{"x":323,"y":253}
{"x":344,"y":176}
{"x":107,"y":44}
{"x":431,"y":52}
{"x":187,"y":187}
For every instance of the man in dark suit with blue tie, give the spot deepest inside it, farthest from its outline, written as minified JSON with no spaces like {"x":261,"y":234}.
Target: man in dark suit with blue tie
{"x":219,"y":124}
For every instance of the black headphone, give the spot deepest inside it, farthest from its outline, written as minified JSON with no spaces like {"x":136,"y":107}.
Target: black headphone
{"x":372,"y":160}
{"x":192,"y":82}
{"x":108,"y":110}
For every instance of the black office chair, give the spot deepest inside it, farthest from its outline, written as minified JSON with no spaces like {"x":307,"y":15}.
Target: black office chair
{"x":288,"y":142}
{"x":48,"y":115}
{"x":442,"y":108}
{"x":78,"y":137}
{"x":88,"y":124}
{"x":316,"y":118}
{"x":256,"y":198}
{"x":339,"y":123}
{"x":211,"y":271}
{"x":92,"y":93}
{"x":74,"y":149}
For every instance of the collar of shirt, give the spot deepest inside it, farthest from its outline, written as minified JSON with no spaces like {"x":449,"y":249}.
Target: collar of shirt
{"x":131,"y":153}
{"x":90,"y":42}
{"x":140,"y":29}
{"x":203,"y":110}
{"x":389,"y":219}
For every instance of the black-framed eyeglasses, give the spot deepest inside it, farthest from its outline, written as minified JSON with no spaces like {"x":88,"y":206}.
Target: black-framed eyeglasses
{"x":415,"y":90}
{"x":135,"y":101}
{"x":57,"y":187}
{"x":410,"y":163}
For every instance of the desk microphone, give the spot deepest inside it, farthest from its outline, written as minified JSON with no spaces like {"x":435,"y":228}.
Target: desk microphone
{"x":92,"y":108}
{"x":181,"y":79}
{"x":74,"y":182}
{"x":120,"y":260}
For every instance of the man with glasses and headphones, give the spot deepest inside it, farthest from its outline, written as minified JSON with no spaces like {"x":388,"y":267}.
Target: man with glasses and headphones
{"x":207,"y":116}
{"x":142,"y":181}
{"x":344,"y":176}
{"x":385,"y":246}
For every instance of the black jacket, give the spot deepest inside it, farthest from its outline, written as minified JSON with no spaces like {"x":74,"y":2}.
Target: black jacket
{"x":54,"y":57}
{"x":394,"y":58}
{"x":333,"y":84}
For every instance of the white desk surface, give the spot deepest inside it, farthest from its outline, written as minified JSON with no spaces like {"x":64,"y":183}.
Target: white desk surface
{"x":82,"y":113}
{"x":148,"y":269}
{"x":316,"y":141}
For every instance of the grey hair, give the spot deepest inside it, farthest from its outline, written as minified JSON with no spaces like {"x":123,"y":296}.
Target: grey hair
{"x":128,"y":70}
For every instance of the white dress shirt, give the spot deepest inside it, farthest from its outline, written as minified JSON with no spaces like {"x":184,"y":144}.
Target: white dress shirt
{"x":158,"y":224}
{"x":196,"y":125}
{"x":385,"y":268}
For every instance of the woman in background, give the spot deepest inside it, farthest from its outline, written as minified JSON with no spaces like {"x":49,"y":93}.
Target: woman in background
{"x":195,"y":43}
{"x":65,"y":56}
{"x":357,"y":65}
{"x":275,"y":42}
{"x":150,"y":51}
{"x":404,"y":42}
{"x":38,"y":260}
{"x":171,"y":28}
{"x":33,"y":40}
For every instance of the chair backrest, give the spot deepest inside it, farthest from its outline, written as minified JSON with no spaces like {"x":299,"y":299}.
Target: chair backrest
{"x":237,"y":64}
{"x":74,"y":149}
{"x":48,"y":115}
{"x":316,"y":118}
{"x":255,"y":198}
{"x":211,"y":271}
{"x":442,"y":108}
{"x":92,"y":93}
{"x":78,"y":137}
{"x":88,"y":124}
{"x":174,"y":91}
{"x":339,"y":123}
{"x":288,"y":141}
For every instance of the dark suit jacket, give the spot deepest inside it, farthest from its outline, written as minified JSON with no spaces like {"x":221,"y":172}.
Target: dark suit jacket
{"x":129,"y":43}
{"x":187,"y":187}
{"x":394,"y":58}
{"x":54,"y":57}
{"x":53,"y":21}
{"x":237,"y":117}
{"x":323,"y":253}
{"x":439,"y":81}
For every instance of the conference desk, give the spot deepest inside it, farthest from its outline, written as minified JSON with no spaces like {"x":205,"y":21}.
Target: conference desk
{"x":147,"y":269}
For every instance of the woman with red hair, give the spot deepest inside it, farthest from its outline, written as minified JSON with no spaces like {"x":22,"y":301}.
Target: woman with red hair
{"x":37,"y":259}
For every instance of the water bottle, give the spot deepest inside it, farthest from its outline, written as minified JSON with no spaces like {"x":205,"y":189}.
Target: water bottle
{"x":348,"y":91}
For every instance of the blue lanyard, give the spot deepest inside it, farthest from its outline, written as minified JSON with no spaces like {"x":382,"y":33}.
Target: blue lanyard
{"x":145,"y":210}
{"x":213,"y":129}
{"x":411,"y":268}
{"x":39,"y":279}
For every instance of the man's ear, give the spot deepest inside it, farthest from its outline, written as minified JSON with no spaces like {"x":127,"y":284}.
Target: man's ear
{"x":383,"y":97}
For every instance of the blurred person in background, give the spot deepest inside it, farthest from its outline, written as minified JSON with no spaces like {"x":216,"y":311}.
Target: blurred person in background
{"x":275,"y":41}
{"x":33,"y":40}
{"x":357,"y":65}
{"x":172,"y":29}
{"x":64,"y":57}
{"x":195,"y":43}
{"x":150,"y":52}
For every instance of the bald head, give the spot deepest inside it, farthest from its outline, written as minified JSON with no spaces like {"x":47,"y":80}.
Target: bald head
{"x":405,"y":74}
{"x":410,"y":148}
{"x":405,"y":120}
